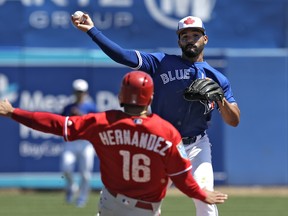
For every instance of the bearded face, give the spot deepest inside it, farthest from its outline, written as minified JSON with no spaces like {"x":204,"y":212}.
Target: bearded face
{"x":191,"y":50}
{"x":192,"y":42}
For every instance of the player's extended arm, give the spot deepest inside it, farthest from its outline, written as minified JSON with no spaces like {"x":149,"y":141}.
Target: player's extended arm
{"x":187,"y":184}
{"x":41,"y":121}
{"x":113,"y":50}
{"x":230,"y":112}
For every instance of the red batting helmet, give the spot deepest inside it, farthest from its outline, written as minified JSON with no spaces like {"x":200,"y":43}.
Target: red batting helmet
{"x":137,"y":89}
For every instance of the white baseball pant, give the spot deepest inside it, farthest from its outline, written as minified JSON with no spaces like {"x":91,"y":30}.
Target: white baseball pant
{"x":78,"y":153}
{"x":199,"y":154}
{"x":120,"y":205}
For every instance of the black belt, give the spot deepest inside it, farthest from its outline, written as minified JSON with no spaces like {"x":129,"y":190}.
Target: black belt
{"x":190,"y":140}
{"x":139,"y":204}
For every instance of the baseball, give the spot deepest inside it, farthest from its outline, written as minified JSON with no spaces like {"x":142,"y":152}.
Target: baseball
{"x":79,"y":15}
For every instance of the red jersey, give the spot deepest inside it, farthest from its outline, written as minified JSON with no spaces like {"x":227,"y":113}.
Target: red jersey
{"x":137,"y":155}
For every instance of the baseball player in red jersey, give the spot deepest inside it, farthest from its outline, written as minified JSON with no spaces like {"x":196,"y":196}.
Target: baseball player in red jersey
{"x":139,"y":152}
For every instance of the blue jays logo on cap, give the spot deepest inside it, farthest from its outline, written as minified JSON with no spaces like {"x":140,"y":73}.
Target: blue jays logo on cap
{"x":191,"y":22}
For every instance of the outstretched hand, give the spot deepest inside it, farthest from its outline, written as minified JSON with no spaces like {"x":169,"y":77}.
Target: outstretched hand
{"x":6,"y":108}
{"x":84,"y":24}
{"x":215,"y":197}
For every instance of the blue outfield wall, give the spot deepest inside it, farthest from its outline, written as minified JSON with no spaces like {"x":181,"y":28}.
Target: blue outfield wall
{"x":145,"y":24}
{"x":41,"y":53}
{"x":254,"y":153}
{"x":40,"y":80}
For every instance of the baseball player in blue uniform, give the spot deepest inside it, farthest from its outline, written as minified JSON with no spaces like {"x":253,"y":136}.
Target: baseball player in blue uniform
{"x":171,"y":75}
{"x":79,"y":152}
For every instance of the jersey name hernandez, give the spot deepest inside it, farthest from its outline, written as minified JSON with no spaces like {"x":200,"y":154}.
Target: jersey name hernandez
{"x":134,"y":138}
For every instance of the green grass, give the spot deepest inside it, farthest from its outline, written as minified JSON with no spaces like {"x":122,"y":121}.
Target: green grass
{"x":52,"y":204}
{"x":234,"y":206}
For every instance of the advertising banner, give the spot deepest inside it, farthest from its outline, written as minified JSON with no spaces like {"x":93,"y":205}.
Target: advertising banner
{"x":34,"y":83}
{"x":147,"y":24}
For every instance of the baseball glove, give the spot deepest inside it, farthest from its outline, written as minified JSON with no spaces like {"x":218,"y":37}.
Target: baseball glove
{"x":203,"y":89}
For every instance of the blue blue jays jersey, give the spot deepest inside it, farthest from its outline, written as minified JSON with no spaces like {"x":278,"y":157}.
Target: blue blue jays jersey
{"x":79,"y":109}
{"x":171,"y":75}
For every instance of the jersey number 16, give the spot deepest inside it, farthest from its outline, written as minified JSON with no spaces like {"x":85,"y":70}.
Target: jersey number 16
{"x":140,"y":167}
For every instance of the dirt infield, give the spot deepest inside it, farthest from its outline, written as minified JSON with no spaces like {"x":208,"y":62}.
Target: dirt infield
{"x":245,"y":191}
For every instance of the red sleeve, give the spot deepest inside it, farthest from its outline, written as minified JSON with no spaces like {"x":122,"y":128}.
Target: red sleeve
{"x":187,"y":184}
{"x":41,"y":121}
